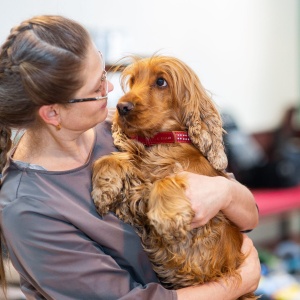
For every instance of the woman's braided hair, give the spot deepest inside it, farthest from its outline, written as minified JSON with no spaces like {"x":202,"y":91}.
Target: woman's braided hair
{"x":40,"y":64}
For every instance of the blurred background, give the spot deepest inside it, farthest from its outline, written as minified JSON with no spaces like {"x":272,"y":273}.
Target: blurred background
{"x":247,"y":55}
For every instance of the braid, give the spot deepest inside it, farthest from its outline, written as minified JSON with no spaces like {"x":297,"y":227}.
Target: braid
{"x":5,"y":145}
{"x":6,"y":62}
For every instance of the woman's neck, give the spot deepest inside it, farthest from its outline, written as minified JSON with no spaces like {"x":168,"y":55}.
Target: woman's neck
{"x":55,"y":151}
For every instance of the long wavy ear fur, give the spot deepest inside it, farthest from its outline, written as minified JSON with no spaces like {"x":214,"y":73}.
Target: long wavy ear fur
{"x":200,"y":116}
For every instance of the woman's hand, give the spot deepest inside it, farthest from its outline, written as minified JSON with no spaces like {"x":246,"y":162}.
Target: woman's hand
{"x":209,"y":195}
{"x":250,"y":270}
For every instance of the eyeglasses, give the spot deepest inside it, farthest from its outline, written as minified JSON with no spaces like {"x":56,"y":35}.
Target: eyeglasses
{"x":103,"y":88}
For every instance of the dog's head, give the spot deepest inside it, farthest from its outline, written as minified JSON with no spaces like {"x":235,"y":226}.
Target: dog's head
{"x":163,"y":94}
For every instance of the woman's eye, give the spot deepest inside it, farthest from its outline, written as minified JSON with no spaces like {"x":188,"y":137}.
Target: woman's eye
{"x":161,"y":82}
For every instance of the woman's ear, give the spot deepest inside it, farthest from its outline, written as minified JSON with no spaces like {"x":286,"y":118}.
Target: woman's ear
{"x":50,"y":114}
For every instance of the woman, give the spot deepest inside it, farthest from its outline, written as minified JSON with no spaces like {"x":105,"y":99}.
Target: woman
{"x":53,"y":84}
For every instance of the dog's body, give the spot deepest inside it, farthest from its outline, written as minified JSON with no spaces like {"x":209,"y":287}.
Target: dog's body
{"x":143,"y":185}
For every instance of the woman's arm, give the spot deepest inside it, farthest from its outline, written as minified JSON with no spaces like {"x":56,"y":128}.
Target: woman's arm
{"x":229,"y":289}
{"x":209,"y":195}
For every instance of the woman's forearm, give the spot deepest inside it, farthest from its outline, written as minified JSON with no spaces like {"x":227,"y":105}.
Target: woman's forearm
{"x":209,"y":195}
{"x":211,"y":290}
{"x":241,"y":208}
{"x":229,"y":290}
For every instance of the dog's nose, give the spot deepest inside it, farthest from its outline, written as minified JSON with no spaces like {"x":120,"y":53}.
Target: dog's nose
{"x":124,"y":108}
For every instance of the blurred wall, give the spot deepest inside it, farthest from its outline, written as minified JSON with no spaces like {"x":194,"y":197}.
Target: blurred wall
{"x":246,"y":52}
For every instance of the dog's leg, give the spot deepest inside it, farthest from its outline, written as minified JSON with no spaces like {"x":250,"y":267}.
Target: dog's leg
{"x":169,"y":210}
{"x":118,"y":186}
{"x":108,"y":177}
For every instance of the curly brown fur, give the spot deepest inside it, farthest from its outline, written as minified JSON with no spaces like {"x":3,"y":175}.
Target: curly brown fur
{"x":143,"y":185}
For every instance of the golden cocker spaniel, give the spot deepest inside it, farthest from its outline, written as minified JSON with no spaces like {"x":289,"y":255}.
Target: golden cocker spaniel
{"x":164,"y":124}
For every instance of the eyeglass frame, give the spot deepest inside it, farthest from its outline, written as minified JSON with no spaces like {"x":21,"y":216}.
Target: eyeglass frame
{"x":103,"y":78}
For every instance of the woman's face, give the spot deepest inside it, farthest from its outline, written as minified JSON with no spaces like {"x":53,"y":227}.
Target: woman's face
{"x":82,"y":116}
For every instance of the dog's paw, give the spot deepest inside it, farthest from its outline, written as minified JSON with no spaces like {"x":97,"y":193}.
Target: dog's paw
{"x":170,"y":211}
{"x":109,"y":174}
{"x":120,"y":187}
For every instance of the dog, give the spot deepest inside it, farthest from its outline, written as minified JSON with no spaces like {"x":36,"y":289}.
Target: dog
{"x":166,"y":123}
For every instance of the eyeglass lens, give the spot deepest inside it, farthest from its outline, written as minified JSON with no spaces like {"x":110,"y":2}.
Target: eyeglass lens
{"x":103,"y":87}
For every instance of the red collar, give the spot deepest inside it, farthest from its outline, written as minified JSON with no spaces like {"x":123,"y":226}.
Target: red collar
{"x":164,"y":138}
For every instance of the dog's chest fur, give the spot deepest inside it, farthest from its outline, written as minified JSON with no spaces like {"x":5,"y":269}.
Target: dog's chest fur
{"x":159,"y":161}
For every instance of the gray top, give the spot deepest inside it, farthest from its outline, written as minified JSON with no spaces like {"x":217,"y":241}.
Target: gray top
{"x":59,"y":244}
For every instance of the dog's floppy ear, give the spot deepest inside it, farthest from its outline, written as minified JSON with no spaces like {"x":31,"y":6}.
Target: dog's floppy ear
{"x":206,"y":132}
{"x":202,"y":118}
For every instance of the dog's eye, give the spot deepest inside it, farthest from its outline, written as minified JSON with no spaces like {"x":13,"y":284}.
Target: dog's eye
{"x":161,"y":82}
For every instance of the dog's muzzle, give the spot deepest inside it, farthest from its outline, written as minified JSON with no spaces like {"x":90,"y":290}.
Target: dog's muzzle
{"x":124,"y":108}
